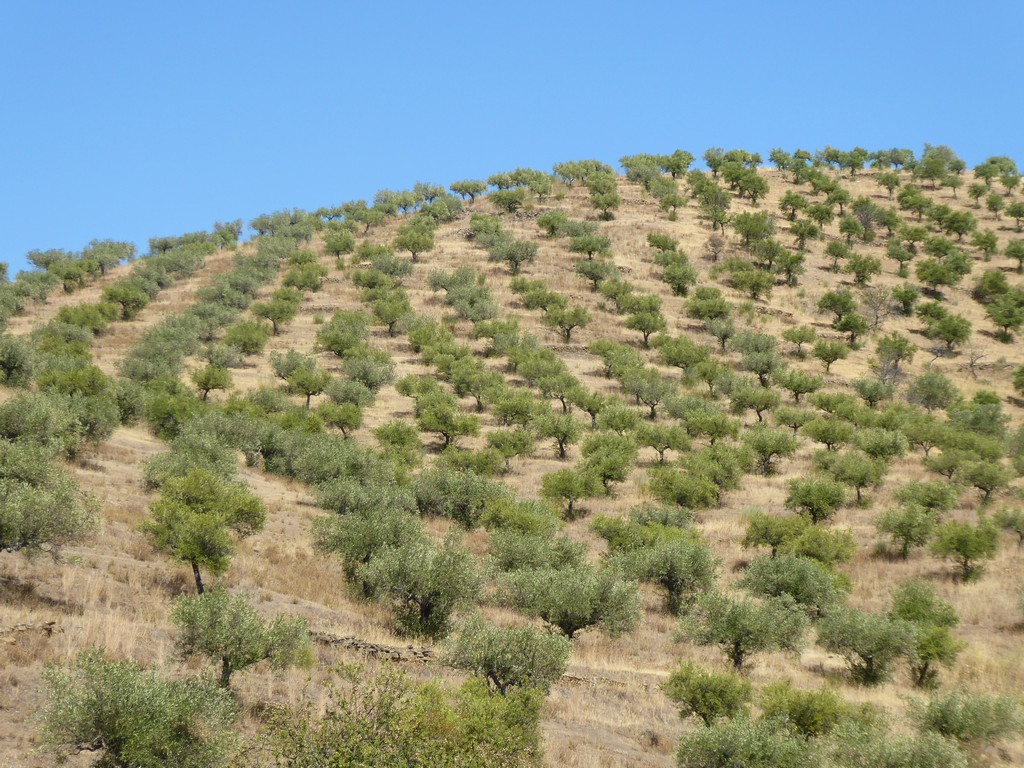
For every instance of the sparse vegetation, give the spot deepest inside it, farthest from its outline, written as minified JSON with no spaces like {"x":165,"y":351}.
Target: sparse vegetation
{"x":676,"y":399}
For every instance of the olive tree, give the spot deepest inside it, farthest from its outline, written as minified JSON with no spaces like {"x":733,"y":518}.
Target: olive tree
{"x":931,"y":617}
{"x":870,"y":643}
{"x":423,"y":583}
{"x":708,"y":695}
{"x":742,"y":627}
{"x":41,"y":507}
{"x":230,"y":630}
{"x":195,"y":517}
{"x":135,"y":717}
{"x":575,"y":598}
{"x":967,"y":544}
{"x":509,"y":657}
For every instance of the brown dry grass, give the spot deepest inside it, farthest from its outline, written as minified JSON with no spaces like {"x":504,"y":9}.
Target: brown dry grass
{"x":115,"y":591}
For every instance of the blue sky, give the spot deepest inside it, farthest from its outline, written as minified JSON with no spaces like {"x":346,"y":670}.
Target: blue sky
{"x":129,"y":120}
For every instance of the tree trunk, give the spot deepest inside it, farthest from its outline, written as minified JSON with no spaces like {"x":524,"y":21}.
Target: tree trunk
{"x":225,"y":672}
{"x":198,"y":576}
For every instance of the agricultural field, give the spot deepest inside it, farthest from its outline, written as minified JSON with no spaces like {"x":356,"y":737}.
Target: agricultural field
{"x":643,"y":466}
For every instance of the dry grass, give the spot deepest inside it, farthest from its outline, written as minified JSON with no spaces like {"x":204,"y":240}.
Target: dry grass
{"x":115,"y":591}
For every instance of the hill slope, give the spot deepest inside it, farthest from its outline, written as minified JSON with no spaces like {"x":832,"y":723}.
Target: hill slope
{"x":114,"y":590}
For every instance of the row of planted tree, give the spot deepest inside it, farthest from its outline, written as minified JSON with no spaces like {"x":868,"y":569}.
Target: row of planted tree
{"x":376,"y":497}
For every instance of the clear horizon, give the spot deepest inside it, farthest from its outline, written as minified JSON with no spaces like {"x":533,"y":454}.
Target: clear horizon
{"x":130,"y":122}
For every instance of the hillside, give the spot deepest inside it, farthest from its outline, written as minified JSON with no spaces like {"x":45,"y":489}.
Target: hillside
{"x":115,"y":589}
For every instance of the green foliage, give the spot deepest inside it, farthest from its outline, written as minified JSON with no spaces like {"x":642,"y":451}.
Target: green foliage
{"x":567,"y":319}
{"x":909,"y":526}
{"x":816,"y":497}
{"x":279,"y":310}
{"x":828,"y":547}
{"x":211,"y":377}
{"x":609,"y":456}
{"x":596,"y":271}
{"x":681,"y":565}
{"x":568,"y":487}
{"x":423,"y":583}
{"x":686,"y":489}
{"x":469,"y":188}
{"x":662,"y":438}
{"x":854,"y":468}
{"x":509,"y":657}
{"x":742,"y":627}
{"x":201,"y":444}
{"x":564,"y":429}
{"x":439,"y":412}
{"x":764,"y":530}
{"x":230,"y":630}
{"x":50,"y":421}
{"x":971,"y":719}
{"x":344,"y":332}
{"x":305,"y":277}
{"x":811,"y":714}
{"x":932,"y":618}
{"x":41,"y":507}
{"x":415,"y":237}
{"x":137,"y":718}
{"x":461,"y":496}
{"x":708,"y":695}
{"x":811,"y":584}
{"x":515,"y":550}
{"x":195,"y":516}
{"x":17,"y":360}
{"x":967,"y":544}
{"x":870,"y":643}
{"x":829,"y":352}
{"x":742,"y":743}
{"x":768,"y":445}
{"x":129,"y":296}
{"x":248,"y":336}
{"x":93,"y":317}
{"x":855,"y":746}
{"x":576,"y":598}
{"x":363,"y":531}
{"x":386,"y":719}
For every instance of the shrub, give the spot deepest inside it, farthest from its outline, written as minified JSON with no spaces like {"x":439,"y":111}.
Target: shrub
{"x":136,"y":717}
{"x":509,"y":657}
{"x":743,"y":627}
{"x":809,"y":583}
{"x":345,"y":331}
{"x":40,"y":504}
{"x":248,"y":336}
{"x":808,"y":713}
{"x":388,"y":720}
{"x":515,"y":550}
{"x":969,"y":718}
{"x":682,"y":566}
{"x":16,"y":361}
{"x":868,"y":642}
{"x":708,"y":695}
{"x":575,"y":598}
{"x":458,"y":495}
{"x":424,"y":584}
{"x":742,"y":742}
{"x":853,"y":746}
{"x":230,"y":630}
